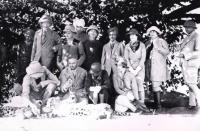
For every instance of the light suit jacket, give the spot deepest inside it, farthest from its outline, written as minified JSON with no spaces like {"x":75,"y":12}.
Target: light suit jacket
{"x":191,"y":50}
{"x":109,"y":55}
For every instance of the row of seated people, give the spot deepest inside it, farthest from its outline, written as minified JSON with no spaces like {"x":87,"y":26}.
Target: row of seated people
{"x":92,"y":87}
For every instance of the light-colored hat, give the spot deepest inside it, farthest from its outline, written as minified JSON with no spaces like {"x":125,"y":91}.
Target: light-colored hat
{"x":92,"y":27}
{"x":34,"y":68}
{"x":45,"y":18}
{"x":69,"y":28}
{"x":154,"y":28}
{"x":78,"y":22}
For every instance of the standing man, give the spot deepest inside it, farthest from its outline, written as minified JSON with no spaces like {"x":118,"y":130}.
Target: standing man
{"x":79,"y":25}
{"x":190,"y":61}
{"x":44,"y":42}
{"x":111,"y":51}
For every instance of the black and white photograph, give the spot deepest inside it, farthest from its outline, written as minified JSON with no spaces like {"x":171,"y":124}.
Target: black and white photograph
{"x":99,"y":65}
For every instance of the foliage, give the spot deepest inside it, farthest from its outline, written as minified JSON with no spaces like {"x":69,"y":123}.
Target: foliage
{"x":17,"y":15}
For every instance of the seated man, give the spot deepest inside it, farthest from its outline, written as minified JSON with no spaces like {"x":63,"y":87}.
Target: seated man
{"x":123,"y":84}
{"x":97,"y":84}
{"x":72,"y":79}
{"x":38,"y":84}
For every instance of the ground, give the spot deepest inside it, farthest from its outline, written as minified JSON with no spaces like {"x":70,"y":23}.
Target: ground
{"x":174,"y":115}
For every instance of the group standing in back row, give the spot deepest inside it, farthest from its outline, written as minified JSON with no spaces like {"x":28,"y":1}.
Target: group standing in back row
{"x":110,"y":73}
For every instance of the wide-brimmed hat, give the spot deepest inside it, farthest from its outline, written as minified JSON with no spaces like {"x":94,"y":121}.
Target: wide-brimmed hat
{"x":79,"y":22}
{"x":154,"y":28}
{"x":34,"y":68}
{"x":70,"y":28}
{"x":133,"y":32}
{"x":45,"y":18}
{"x":190,"y":23}
{"x":113,"y":29}
{"x":92,"y":27}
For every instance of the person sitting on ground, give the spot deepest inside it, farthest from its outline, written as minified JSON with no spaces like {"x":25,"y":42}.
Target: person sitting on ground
{"x":72,"y":79}
{"x":97,"y":84}
{"x":38,"y":84}
{"x":123,"y":84}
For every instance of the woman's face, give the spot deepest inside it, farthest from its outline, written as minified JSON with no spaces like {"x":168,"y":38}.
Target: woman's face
{"x":133,"y":38}
{"x":68,"y":34}
{"x":153,"y":34}
{"x":113,"y":35}
{"x":92,"y":34}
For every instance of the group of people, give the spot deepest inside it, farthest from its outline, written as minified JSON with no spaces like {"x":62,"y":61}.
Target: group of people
{"x":113,"y":73}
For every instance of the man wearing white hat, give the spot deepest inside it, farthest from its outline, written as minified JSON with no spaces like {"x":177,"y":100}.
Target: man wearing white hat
{"x":39,"y":83}
{"x":79,"y":25}
{"x":157,"y":51}
{"x":44,"y":42}
{"x":190,"y":61}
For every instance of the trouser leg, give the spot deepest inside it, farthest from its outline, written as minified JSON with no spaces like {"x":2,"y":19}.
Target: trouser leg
{"x":141,"y":92}
{"x":48,"y":92}
{"x":192,"y":99}
{"x":196,"y":92}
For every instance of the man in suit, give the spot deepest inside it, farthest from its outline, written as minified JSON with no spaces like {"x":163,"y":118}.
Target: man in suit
{"x":111,"y":51}
{"x":45,"y":41}
{"x":190,"y":61}
{"x":73,"y":79}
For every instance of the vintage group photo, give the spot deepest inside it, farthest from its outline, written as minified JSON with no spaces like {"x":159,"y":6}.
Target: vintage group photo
{"x":99,"y":60}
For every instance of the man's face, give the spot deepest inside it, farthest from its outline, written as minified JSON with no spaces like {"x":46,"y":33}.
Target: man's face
{"x":45,"y":25}
{"x":133,"y":38}
{"x":72,"y":64}
{"x":112,"y":36}
{"x":189,"y":30}
{"x":92,"y":34}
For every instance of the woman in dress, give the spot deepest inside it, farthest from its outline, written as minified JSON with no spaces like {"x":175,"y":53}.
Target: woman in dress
{"x":135,"y":54}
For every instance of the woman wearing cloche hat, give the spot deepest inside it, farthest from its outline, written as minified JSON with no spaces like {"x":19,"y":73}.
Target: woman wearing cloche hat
{"x":92,"y":47}
{"x":70,"y":48}
{"x":156,"y":54}
{"x":135,"y":54}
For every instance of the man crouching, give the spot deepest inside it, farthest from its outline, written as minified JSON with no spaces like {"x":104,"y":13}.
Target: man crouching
{"x":39,"y":84}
